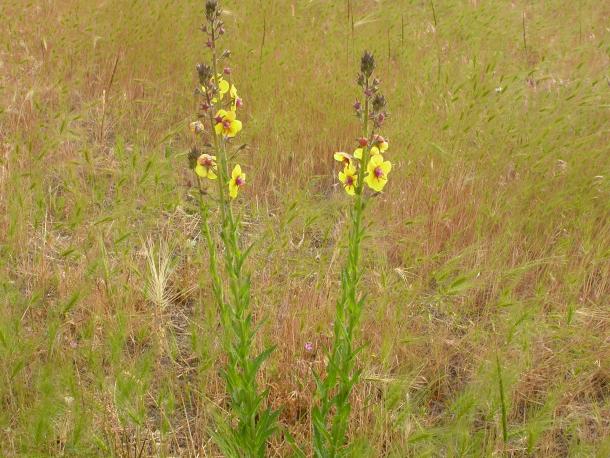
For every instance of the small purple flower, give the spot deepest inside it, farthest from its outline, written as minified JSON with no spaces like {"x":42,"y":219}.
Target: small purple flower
{"x":357,"y":105}
{"x":308,"y":347}
{"x":227,"y":70}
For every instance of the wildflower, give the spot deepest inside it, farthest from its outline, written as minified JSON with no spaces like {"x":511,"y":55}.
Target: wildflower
{"x":377,"y":172}
{"x":226,"y":124}
{"x":196,"y":127}
{"x":238,"y":179}
{"x":343,"y":157}
{"x":223,"y":86}
{"x":349,"y":178}
{"x":308,"y":346}
{"x":374,"y":151}
{"x":381,"y":142}
{"x":236,"y":101}
{"x":206,"y":166}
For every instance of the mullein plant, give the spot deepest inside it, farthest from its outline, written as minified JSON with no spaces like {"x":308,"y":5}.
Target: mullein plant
{"x":363,"y":174}
{"x":250,"y":425}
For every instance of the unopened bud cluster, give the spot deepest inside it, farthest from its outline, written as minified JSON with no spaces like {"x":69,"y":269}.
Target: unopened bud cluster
{"x":370,"y":91}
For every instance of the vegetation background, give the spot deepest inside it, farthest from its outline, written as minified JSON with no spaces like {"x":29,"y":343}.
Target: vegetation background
{"x":488,"y":261}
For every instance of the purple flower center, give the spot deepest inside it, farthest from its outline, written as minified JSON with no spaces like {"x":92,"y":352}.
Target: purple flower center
{"x":226,"y":124}
{"x":239,"y":181}
{"x":218,"y":119}
{"x":349,"y":181}
{"x":378,"y":172}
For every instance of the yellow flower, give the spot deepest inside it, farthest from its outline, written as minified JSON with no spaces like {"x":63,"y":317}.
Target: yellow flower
{"x":226,"y":124}
{"x":206,"y":166}
{"x":349,"y":178}
{"x":377,"y":172}
{"x":373,"y":152}
{"x":382,"y":143}
{"x":237,"y":180}
{"x":236,"y":102}
{"x":223,"y":86}
{"x":343,"y":157}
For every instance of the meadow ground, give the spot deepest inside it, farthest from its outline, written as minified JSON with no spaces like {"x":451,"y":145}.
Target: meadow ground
{"x":488,"y":257}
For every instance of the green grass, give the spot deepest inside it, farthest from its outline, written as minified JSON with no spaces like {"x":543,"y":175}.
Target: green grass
{"x":492,"y":237}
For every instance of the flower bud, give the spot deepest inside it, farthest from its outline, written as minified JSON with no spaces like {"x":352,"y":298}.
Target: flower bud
{"x":227,"y":70}
{"x":367,"y":64}
{"x":363,"y":142}
{"x":357,"y":105}
{"x":205,"y":73}
{"x":210,"y":44}
{"x":211,"y":8}
{"x":221,"y":31}
{"x":193,"y":155}
{"x":379,"y":103}
{"x":239,"y":103}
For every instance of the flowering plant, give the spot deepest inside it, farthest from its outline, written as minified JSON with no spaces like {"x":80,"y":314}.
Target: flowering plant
{"x":366,"y":166}
{"x":250,"y":426}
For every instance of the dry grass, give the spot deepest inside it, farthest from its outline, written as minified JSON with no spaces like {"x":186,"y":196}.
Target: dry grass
{"x":493,"y":237}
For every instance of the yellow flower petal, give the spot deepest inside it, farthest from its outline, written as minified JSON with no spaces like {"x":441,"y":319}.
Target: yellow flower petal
{"x":235,"y":127}
{"x":201,"y":170}
{"x":233,"y":189}
{"x":223,"y":86}
{"x":236,"y":171}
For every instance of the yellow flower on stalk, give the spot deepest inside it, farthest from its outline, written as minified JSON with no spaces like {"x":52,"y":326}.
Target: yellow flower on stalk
{"x":226,"y":123}
{"x":237,"y":180}
{"x":373,"y":152}
{"x":343,"y":157}
{"x":381,"y":142}
{"x":236,"y":101}
{"x":223,"y":86}
{"x":206,"y":166}
{"x":377,"y":172}
{"x":349,"y":178}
